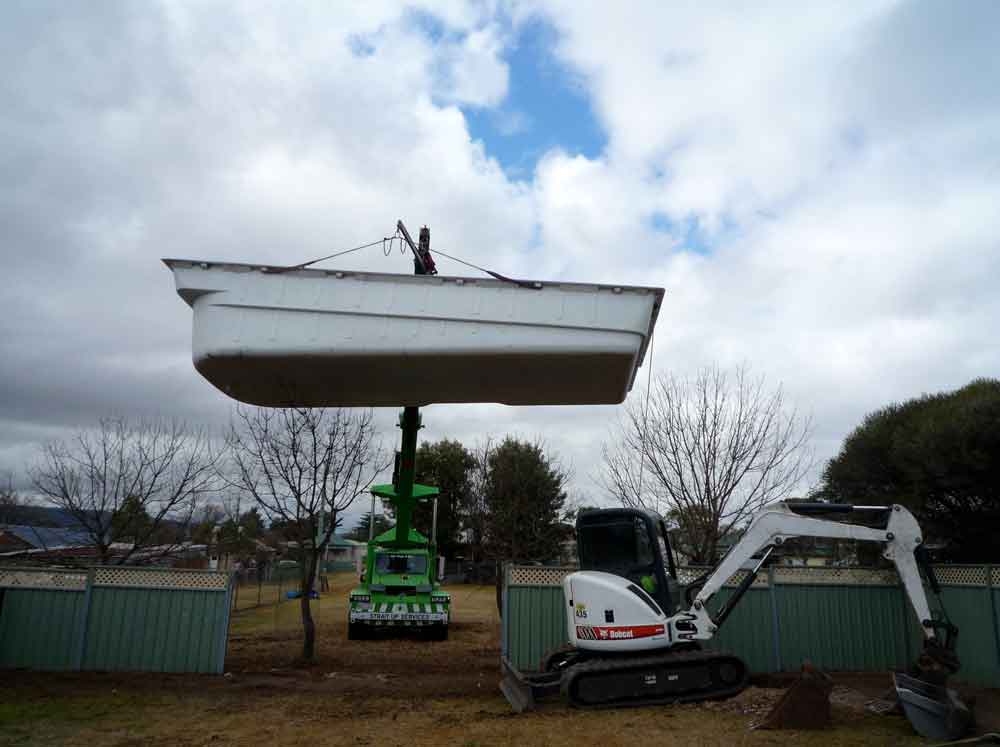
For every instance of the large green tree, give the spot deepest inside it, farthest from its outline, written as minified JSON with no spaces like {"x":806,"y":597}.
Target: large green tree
{"x":448,"y":466}
{"x":360,"y":532}
{"x":524,"y":498}
{"x":939,"y":455}
{"x":237,"y":533}
{"x":130,"y":519}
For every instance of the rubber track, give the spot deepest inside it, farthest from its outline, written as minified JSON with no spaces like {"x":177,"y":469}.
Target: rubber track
{"x":608,"y":665}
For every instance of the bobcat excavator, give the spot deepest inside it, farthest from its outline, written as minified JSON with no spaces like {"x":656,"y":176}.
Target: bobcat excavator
{"x":633,"y":640}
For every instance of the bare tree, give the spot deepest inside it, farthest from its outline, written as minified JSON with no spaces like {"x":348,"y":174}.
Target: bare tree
{"x":707,"y":451}
{"x":304,"y":466}
{"x":9,"y":498}
{"x":131,"y":487}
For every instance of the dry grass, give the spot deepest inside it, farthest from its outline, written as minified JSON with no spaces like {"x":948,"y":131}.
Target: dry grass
{"x":366,"y":692}
{"x":265,"y":716}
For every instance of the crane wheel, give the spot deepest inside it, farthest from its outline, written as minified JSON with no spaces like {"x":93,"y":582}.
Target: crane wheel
{"x":438,"y":633}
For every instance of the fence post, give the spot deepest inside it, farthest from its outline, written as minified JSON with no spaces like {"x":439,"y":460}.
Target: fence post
{"x":991,"y":590}
{"x":277,"y":599}
{"x":504,"y":613}
{"x":775,"y":623}
{"x":81,"y":645}
{"x":223,"y":641}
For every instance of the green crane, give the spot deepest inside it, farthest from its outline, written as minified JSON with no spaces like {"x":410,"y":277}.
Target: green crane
{"x":400,"y":584}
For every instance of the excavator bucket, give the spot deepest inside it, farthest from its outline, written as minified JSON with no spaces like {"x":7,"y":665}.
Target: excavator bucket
{"x":804,"y":705}
{"x":934,"y":711}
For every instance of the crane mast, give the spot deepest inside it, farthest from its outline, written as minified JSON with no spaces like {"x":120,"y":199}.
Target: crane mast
{"x":400,"y":585}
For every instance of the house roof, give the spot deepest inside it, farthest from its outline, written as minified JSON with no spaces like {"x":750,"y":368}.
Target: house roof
{"x":338,"y":541}
{"x":49,"y":537}
{"x":335,"y":541}
{"x":34,"y":515}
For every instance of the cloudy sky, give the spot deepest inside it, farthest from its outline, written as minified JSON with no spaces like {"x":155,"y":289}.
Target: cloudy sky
{"x":816,"y":185}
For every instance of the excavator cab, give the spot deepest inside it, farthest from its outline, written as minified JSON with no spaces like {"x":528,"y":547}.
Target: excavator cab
{"x":633,"y":544}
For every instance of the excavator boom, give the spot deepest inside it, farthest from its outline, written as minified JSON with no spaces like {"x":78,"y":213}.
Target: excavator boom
{"x":770,"y":528}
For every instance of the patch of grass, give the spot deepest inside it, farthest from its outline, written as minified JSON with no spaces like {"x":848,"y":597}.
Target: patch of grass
{"x":50,"y":717}
{"x":84,"y":707}
{"x":382,"y":692}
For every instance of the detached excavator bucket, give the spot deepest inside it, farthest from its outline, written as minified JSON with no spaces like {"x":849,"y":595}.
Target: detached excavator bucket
{"x":805,"y":704}
{"x":934,"y":711}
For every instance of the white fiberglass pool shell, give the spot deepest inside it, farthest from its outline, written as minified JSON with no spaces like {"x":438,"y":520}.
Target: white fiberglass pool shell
{"x":278,"y":337}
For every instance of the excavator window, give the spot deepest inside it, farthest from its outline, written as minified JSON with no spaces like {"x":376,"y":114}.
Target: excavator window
{"x":668,"y":556}
{"x":623,"y":545}
{"x":643,"y":546}
{"x":632,"y":544}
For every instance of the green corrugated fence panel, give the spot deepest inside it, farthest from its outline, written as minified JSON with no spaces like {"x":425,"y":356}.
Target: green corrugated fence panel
{"x":155,"y":630}
{"x":995,"y":681}
{"x":861,"y":628}
{"x":536,"y":623}
{"x":747,"y":632}
{"x":39,"y":628}
{"x":970,"y":609}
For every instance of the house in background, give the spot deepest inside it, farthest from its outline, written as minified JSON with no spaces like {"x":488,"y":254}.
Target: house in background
{"x":36,"y":543}
{"x":40,"y":535}
{"x":343,"y":554}
{"x":37,"y":532}
{"x":250,"y":553}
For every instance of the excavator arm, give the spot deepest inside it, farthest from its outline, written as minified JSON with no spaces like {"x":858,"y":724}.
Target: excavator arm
{"x":898,"y":533}
{"x":934,"y":710}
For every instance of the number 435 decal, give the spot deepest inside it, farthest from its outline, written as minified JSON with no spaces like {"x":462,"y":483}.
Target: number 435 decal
{"x":581,"y":610}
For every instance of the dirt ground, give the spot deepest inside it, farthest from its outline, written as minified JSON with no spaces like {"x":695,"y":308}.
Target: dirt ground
{"x":387,"y":692}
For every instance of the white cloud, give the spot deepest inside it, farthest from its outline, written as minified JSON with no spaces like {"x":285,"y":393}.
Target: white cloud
{"x":256,"y":135}
{"x":475,"y":73}
{"x":841,"y":161}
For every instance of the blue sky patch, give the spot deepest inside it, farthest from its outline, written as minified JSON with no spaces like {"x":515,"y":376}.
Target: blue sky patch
{"x":689,"y":232}
{"x":428,"y":23}
{"x":545,"y":108}
{"x":854,"y":137}
{"x":360,"y":46}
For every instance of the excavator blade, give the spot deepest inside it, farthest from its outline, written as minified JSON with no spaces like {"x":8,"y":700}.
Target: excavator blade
{"x":934,"y":711}
{"x":521,"y":689}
